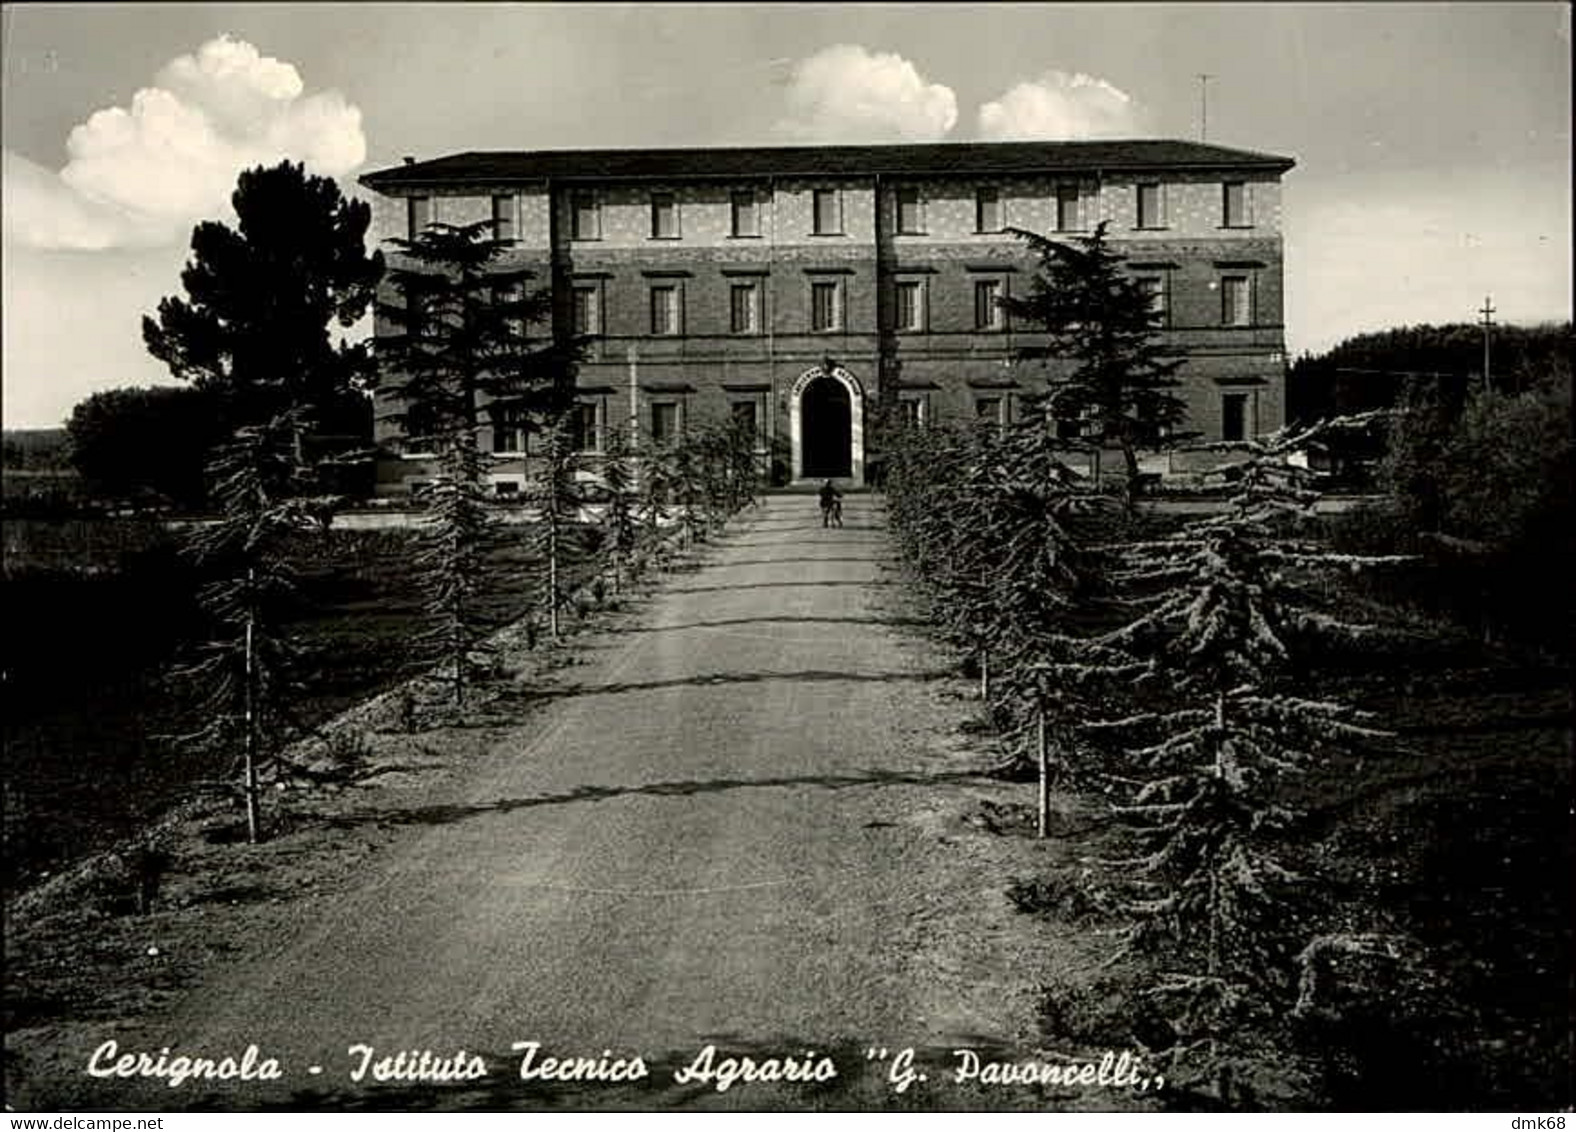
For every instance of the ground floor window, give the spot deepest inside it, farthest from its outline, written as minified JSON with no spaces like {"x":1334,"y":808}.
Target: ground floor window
{"x":1234,"y":416}
{"x":665,"y":422}
{"x":747,"y":418}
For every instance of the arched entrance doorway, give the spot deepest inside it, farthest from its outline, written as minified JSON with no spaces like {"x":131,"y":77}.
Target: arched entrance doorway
{"x":826,"y":425}
{"x":827,"y":430}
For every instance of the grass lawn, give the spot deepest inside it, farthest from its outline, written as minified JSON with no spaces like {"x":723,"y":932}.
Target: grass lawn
{"x":87,"y":656}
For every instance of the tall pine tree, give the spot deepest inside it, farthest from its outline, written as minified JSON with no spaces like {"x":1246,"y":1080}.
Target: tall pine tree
{"x":1119,"y":391}
{"x":467,"y":337}
{"x":255,"y":329}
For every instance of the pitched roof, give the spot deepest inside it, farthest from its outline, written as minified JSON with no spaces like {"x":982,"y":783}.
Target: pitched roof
{"x":499,"y":167}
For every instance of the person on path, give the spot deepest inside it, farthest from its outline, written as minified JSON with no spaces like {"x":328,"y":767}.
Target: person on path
{"x":831,"y":505}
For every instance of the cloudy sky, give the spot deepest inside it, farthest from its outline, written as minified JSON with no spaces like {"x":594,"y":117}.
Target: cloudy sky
{"x":1432,"y":140}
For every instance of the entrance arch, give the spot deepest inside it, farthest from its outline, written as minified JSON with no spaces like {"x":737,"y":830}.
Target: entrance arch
{"x":826,"y":426}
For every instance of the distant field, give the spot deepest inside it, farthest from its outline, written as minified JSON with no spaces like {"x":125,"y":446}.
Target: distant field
{"x":95,"y":613}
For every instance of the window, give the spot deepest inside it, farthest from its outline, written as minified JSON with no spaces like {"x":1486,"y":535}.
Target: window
{"x":987,"y":308}
{"x":828,"y":213}
{"x":1233,"y":416}
{"x":1154,"y":289}
{"x":587,"y":312}
{"x":987,"y":209}
{"x":508,"y":428}
{"x":585,"y":221}
{"x":911,"y":412}
{"x":665,"y":309}
{"x":664,"y":422}
{"x":415,"y":316}
{"x":746,"y":221}
{"x":583,"y":427}
{"x":909,"y":219}
{"x":505,"y":488}
{"x":743,"y":308}
{"x":987,"y":410}
{"x":421,"y":429}
{"x":746,"y":419}
{"x":418,"y":214}
{"x":1234,"y":205}
{"x":503,"y":217}
{"x":664,"y":217}
{"x":509,"y":298}
{"x":825,"y":306}
{"x":1234,"y":301}
{"x":1068,"y":217}
{"x":1150,"y":207}
{"x":910,"y":305}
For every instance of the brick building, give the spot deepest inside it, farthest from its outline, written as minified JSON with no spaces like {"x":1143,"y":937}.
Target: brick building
{"x":802,"y":287}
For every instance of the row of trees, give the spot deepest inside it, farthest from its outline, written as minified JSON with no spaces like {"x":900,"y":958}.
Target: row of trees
{"x":1161,"y":668}
{"x":1163,"y":672}
{"x":1373,"y":371}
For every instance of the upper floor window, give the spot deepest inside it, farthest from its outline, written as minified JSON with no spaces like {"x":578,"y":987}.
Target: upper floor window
{"x":585,"y":220}
{"x":583,"y":427}
{"x":987,"y":209}
{"x":828,"y":212}
{"x":1154,"y":289}
{"x":503,"y":217}
{"x":1151,"y":207}
{"x":826,"y":305}
{"x":746,"y":219}
{"x":418,"y":214}
{"x":910,"y":218}
{"x":910,"y":295}
{"x":1235,"y":301}
{"x":744,"y":308}
{"x":1234,"y":207}
{"x":508,"y":428}
{"x":1069,"y":217}
{"x":664,"y":216}
{"x":987,"y":304}
{"x":509,"y":300}
{"x":587,"y":310}
{"x":665,"y":309}
{"x":418,"y":314}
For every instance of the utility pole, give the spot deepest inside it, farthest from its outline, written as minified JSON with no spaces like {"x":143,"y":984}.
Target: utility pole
{"x":1487,"y":324}
{"x":1203,"y":106}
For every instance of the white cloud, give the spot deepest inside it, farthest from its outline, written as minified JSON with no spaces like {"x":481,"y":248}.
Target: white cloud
{"x":143,"y":175}
{"x":1059,"y":106}
{"x":845,"y":93}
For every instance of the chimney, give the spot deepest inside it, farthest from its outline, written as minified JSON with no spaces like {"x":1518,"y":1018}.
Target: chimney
{"x":409,"y":160}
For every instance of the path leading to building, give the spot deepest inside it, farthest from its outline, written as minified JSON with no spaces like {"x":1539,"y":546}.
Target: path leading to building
{"x":711,"y":833}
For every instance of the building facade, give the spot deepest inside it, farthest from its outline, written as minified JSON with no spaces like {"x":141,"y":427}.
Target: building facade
{"x":801,"y":288}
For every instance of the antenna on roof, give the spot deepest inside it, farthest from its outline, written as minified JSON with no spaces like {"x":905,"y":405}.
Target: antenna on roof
{"x":1203,"y":106}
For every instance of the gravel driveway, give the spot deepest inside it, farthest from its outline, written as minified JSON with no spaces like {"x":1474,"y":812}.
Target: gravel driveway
{"x":713,"y":832}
